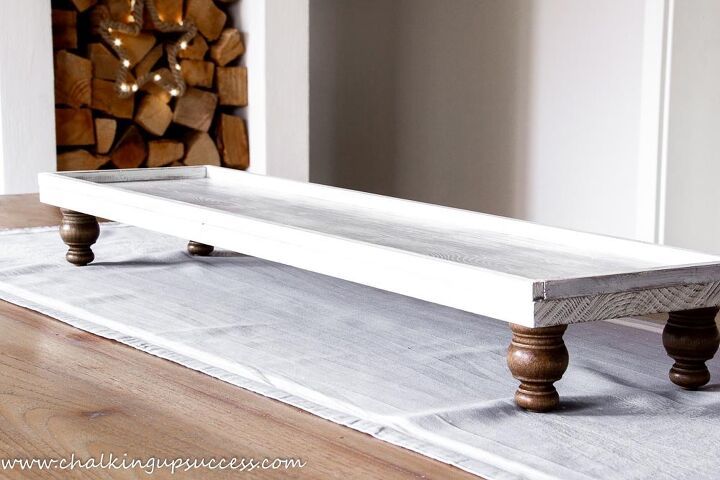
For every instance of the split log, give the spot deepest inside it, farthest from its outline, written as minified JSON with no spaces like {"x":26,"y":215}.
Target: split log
{"x":153,"y":115}
{"x":105,"y":64}
{"x":83,"y":5}
{"x":64,"y":29}
{"x":74,"y":126}
{"x":131,"y":149}
{"x":232,"y":141}
{"x":119,"y":9}
{"x":73,"y":77}
{"x":80,"y":160}
{"x":195,"y":50}
{"x":201,"y":150}
{"x":156,"y":90}
{"x":228,"y":47}
{"x":137,"y":47}
{"x":198,"y":73}
{"x":209,"y":19}
{"x":164,"y":152}
{"x":232,"y":86}
{"x":105,"y":99}
{"x":195,"y":109}
{"x":169,"y":10}
{"x":104,"y":134}
{"x":146,"y":64}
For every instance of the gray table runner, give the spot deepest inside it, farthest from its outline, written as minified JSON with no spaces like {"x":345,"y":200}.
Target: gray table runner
{"x":426,"y":377}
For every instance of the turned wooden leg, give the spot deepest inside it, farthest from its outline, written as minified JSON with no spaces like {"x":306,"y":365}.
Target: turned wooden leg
{"x":538,"y":358}
{"x":691,"y":338}
{"x":199,"y":249}
{"x":79,"y":232}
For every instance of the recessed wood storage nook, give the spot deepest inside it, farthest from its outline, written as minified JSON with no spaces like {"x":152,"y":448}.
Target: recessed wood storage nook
{"x":148,"y":83}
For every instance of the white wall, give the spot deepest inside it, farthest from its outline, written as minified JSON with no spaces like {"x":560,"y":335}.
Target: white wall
{"x":524,"y":108}
{"x":691,"y":213}
{"x":276,"y":32}
{"x":27,"y":111}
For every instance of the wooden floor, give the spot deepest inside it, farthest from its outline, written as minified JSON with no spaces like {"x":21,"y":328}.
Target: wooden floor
{"x":65,"y":391}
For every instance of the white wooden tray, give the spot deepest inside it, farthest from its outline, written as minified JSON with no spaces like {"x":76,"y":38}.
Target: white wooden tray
{"x":515,"y":271}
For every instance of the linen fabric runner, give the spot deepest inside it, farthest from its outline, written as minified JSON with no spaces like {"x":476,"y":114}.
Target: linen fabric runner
{"x":419,"y":375}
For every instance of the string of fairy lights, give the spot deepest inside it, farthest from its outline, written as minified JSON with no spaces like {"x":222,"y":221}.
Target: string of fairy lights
{"x":112,"y":32}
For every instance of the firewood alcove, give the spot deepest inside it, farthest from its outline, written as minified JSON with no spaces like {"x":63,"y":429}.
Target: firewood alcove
{"x":107,"y":120}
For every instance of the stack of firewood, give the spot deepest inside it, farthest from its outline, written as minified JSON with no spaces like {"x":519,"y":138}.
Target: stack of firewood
{"x":96,"y":128}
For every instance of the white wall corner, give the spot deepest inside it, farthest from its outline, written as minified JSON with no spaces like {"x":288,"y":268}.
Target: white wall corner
{"x":278,"y":114}
{"x":656,"y":64}
{"x":27,"y":111}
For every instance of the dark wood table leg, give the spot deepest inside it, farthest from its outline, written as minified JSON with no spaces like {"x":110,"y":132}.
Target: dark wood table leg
{"x":199,"y":249}
{"x":538,"y":358}
{"x":691,"y":338}
{"x":79,"y":232}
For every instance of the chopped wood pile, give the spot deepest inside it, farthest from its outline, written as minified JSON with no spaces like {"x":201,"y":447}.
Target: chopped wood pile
{"x":97,"y":128}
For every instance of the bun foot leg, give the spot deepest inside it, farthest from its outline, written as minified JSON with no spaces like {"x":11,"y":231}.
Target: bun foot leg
{"x":691,"y":338}
{"x":199,"y":249}
{"x":537,"y":357}
{"x":79,"y":232}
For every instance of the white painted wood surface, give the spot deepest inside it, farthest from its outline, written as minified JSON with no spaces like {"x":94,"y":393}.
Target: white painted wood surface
{"x":27,"y":104}
{"x":277,"y":35}
{"x":507,"y":269}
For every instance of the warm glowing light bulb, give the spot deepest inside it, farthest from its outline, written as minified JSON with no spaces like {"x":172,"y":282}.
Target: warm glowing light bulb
{"x":131,"y":19}
{"x":134,"y":88}
{"x":124,"y":87}
{"x":157,"y":77}
{"x":126,"y":63}
{"x":180,"y":22}
{"x":183,"y":45}
{"x":117,"y":42}
{"x":109,"y":29}
{"x":161,"y":18}
{"x":178,"y":67}
{"x":174,"y":92}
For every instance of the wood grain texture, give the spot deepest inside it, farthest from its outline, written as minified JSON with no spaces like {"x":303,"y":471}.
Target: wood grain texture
{"x":229,"y":46}
{"x":691,"y":338}
{"x":106,"y":100}
{"x":105,"y":64}
{"x":201,"y":150}
{"x":79,"y":232}
{"x":209,"y":19}
{"x":538,"y":358}
{"x":480,"y":263}
{"x":164,"y":152}
{"x":196,"y":109}
{"x":232,"y":86}
{"x":131,"y":149}
{"x":74,"y":126}
{"x":105,"y":129}
{"x":198,"y":73}
{"x":617,"y":305}
{"x":199,"y":249}
{"x":73,"y":77}
{"x":20,"y":211}
{"x":67,"y":391}
{"x":153,"y":115}
{"x":80,"y":160}
{"x":64,"y":29}
{"x":232,"y":141}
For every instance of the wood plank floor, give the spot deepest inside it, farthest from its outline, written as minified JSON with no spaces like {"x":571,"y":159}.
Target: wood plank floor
{"x":64,"y":391}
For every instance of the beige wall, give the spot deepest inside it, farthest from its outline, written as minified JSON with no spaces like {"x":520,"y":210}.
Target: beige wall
{"x":522,"y":108}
